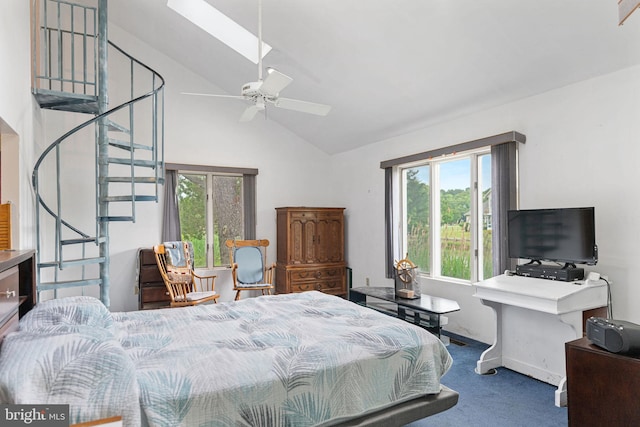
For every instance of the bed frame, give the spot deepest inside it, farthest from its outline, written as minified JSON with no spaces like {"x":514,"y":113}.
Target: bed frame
{"x":407,"y":412}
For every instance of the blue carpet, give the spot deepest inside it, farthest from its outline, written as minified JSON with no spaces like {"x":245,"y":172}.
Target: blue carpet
{"x":504,"y":399}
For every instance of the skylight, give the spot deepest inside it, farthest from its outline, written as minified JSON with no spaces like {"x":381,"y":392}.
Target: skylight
{"x":220,"y":26}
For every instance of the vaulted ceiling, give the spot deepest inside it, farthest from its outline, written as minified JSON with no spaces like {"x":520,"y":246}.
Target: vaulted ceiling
{"x":392,"y":66}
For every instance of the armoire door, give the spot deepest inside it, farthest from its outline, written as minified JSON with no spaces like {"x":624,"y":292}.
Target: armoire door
{"x":303,"y":238}
{"x":329,"y":238}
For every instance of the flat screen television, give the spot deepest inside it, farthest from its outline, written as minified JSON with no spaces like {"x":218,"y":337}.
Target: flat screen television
{"x":562,"y":235}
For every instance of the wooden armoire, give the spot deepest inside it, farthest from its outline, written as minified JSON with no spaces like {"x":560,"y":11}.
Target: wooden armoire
{"x":311,"y":250}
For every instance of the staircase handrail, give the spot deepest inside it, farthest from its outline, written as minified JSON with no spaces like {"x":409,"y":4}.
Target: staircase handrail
{"x":39,"y":200}
{"x":100,"y":116}
{"x":108,"y":188}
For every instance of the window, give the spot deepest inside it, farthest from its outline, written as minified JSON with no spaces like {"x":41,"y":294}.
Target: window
{"x":448,"y":207}
{"x":215,"y":206}
{"x":445,"y":215}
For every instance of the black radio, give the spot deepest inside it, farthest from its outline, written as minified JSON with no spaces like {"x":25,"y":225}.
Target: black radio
{"x":616,"y":336}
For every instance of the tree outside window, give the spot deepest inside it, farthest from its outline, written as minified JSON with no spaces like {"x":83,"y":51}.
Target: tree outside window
{"x":211,"y":211}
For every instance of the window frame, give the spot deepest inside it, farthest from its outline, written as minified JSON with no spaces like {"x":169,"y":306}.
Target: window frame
{"x":248,"y":202}
{"x":504,"y":186}
{"x":435,"y":242}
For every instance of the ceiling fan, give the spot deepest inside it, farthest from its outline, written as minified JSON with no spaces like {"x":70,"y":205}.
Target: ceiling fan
{"x":267,"y":91}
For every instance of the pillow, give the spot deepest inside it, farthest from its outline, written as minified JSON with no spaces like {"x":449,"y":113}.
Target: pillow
{"x":95,"y":377}
{"x":179,"y":256}
{"x":75,"y":313}
{"x":250,"y":260}
{"x":179,"y":274}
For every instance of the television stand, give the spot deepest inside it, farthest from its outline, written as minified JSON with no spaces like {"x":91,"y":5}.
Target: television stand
{"x":425,"y":311}
{"x":534,"y":319}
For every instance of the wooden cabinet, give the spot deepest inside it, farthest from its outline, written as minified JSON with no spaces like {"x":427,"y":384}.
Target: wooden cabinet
{"x":17,"y":287}
{"x":152,"y":292}
{"x":602,"y":386}
{"x":310,"y":250}
{"x":9,"y":291}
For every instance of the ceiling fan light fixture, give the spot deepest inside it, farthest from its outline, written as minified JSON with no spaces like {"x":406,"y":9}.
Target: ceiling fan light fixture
{"x":220,"y":26}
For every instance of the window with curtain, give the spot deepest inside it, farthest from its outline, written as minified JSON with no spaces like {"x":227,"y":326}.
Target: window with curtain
{"x":214,"y":204}
{"x":446,"y":208}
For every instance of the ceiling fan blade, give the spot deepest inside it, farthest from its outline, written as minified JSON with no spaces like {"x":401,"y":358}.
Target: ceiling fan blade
{"x":275,"y":82}
{"x":213,"y":95}
{"x":249,"y":113}
{"x":303,"y":106}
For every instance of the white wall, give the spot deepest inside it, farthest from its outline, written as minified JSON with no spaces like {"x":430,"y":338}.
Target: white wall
{"x":18,"y":117}
{"x":582,"y":150}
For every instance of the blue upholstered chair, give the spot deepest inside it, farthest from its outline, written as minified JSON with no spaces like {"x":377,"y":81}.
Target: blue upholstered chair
{"x":249,"y":267}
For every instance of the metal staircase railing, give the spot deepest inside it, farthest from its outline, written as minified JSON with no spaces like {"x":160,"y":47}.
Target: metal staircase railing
{"x":70,"y":74}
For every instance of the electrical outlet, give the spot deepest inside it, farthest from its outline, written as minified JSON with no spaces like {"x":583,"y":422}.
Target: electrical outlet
{"x":366,"y":281}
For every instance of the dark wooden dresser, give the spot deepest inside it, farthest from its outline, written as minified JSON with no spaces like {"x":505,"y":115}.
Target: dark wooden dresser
{"x":17,"y":287}
{"x":152,"y":292}
{"x":602,"y":387}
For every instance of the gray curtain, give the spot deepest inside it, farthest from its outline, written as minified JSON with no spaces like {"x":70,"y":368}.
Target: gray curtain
{"x":388,"y":221}
{"x":171,"y":220}
{"x":249,"y":202}
{"x":504,"y":197}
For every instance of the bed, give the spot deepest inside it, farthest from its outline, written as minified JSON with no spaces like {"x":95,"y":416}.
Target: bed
{"x":307,"y":359}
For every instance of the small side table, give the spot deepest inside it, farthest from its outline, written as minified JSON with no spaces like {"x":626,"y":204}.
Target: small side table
{"x":602,"y":386}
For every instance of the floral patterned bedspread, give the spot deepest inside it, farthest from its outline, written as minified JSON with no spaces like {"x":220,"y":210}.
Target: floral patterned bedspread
{"x":285,"y":360}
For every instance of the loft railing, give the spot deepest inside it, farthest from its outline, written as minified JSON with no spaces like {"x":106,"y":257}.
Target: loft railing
{"x":65,"y":45}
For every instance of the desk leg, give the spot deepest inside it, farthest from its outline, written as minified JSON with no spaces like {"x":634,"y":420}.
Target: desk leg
{"x":561,"y":393}
{"x":573,"y":319}
{"x":492,"y":357}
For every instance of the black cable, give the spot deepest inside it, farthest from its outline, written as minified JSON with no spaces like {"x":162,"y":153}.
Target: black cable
{"x":609,"y":302}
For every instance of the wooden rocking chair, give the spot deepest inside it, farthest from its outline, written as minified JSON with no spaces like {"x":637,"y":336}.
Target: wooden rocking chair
{"x":185,"y":287}
{"x":249,"y":267}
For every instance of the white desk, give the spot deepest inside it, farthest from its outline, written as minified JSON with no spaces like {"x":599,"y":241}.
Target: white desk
{"x":534,"y":319}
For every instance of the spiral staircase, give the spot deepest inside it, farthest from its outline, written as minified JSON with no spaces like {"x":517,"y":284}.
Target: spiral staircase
{"x":79,"y":72}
